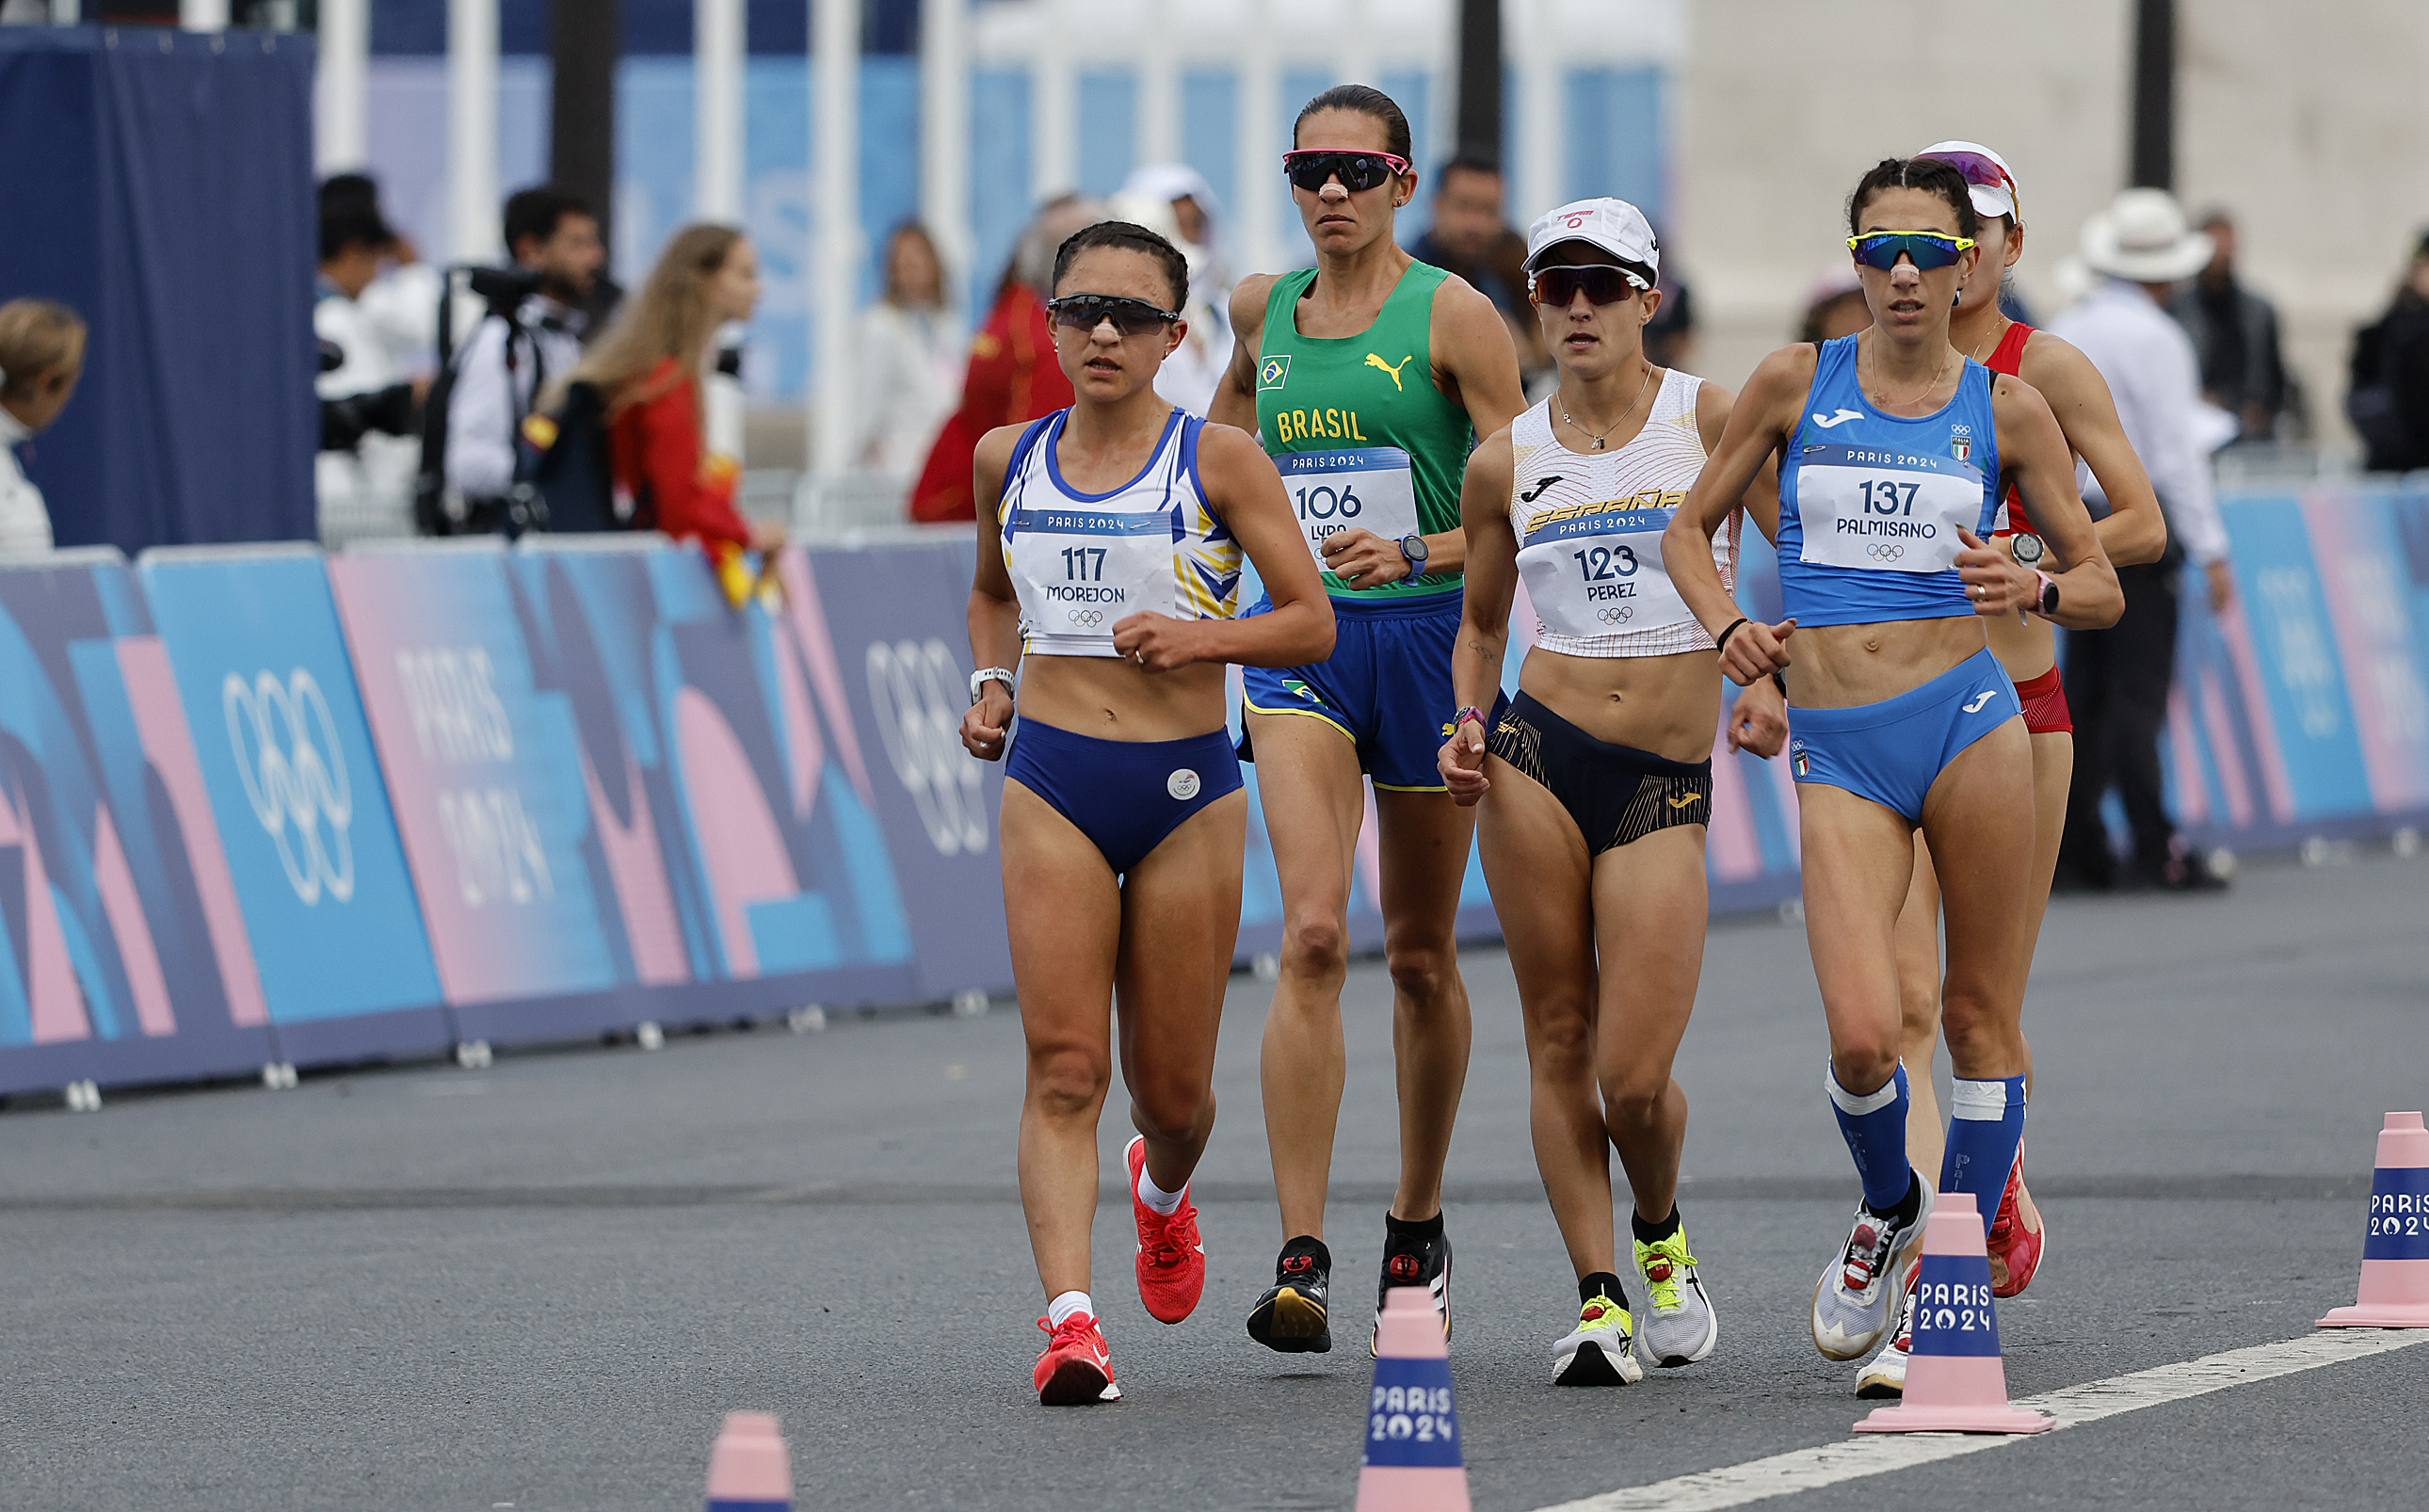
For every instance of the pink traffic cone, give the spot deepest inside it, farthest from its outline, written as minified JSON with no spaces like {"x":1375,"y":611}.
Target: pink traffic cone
{"x":2395,"y":1255}
{"x":1412,"y":1456}
{"x":750,"y":1469}
{"x":1955,"y":1382}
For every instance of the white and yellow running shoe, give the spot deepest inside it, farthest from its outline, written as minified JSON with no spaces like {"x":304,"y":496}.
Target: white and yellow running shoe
{"x":1680,"y":1327}
{"x":1599,"y":1351}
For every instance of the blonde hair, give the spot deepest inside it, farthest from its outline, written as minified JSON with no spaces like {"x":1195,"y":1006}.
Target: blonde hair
{"x":674,"y":316}
{"x":38,"y":337}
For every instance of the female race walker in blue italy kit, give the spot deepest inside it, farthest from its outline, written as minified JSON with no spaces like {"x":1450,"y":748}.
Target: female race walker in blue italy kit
{"x":1894,"y":449}
{"x":1596,"y":781}
{"x":1121,"y":524}
{"x":1367,"y":377}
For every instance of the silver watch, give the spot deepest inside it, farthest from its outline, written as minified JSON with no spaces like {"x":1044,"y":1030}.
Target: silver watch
{"x":2029,"y":549}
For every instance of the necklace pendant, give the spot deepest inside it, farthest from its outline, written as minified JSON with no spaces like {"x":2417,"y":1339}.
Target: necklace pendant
{"x":1598,"y":443}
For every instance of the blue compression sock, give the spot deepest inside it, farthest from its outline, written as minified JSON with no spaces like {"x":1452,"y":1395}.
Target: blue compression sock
{"x":1875,"y":1125}
{"x":1985,"y":1126}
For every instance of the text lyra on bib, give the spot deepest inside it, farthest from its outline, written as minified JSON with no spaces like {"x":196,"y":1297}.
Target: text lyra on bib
{"x":1365,"y":491}
{"x":1884,"y":510}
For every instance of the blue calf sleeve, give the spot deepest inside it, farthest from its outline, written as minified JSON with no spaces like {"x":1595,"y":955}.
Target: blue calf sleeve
{"x":1874,"y":1125}
{"x":1985,"y":1126}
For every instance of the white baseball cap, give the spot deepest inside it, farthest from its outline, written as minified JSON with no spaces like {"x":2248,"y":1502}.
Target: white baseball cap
{"x":1615,"y":225}
{"x":1990,"y":183}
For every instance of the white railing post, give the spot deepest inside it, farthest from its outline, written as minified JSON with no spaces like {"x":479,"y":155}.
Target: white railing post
{"x":945,"y":136}
{"x":718,"y":61}
{"x":834,"y":59}
{"x":340,"y":104}
{"x":472,"y":129}
{"x":202,"y":15}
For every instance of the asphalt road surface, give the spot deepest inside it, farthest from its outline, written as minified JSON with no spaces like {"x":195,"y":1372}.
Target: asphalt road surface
{"x":539,"y":1285}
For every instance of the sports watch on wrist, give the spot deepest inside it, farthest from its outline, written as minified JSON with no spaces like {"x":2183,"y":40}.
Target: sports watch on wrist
{"x":1415,"y":551}
{"x":2029,"y":549}
{"x":2046,"y":604}
{"x":985,"y":675}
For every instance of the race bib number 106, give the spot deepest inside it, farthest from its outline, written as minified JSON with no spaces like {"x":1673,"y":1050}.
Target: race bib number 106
{"x":1335,"y":491}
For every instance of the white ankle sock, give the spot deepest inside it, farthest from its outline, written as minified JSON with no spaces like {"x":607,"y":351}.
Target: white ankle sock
{"x":1069,"y":1304}
{"x":1157,"y":1199}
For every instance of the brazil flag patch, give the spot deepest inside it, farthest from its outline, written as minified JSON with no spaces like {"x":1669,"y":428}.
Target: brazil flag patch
{"x":1273,"y":372}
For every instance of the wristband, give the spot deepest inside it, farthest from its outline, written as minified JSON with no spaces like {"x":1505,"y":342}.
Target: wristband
{"x":1471,"y":712}
{"x":985,"y":675}
{"x":1722,"y":640}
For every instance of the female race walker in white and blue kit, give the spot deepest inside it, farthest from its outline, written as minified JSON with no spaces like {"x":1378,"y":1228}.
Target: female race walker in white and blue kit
{"x":1121,"y":528}
{"x":1596,"y":781}
{"x":1895,"y":450}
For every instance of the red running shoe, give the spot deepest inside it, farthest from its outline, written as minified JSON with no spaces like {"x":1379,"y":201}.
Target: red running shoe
{"x":2015,"y":1250}
{"x":1172,"y":1261}
{"x":1075,"y":1370}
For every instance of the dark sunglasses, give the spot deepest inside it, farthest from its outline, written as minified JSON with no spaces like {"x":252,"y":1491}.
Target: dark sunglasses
{"x":1930,"y":249}
{"x":1130,"y":317}
{"x":1310,"y":167}
{"x":1603,"y":283}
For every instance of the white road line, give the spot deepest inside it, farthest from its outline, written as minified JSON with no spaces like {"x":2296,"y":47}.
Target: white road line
{"x":1802,"y":1470}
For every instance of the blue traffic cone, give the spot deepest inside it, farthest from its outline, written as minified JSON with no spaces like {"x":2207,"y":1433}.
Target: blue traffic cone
{"x":1412,"y":1454}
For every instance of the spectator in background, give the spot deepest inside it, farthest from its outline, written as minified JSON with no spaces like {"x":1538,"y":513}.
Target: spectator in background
{"x":2388,"y":401}
{"x":369,"y":455}
{"x":517,"y":351}
{"x":650,"y":367}
{"x":401,"y":303}
{"x":1012,"y":373}
{"x":1172,"y":199}
{"x":2117,"y":680}
{"x":910,"y":359}
{"x":42,"y":356}
{"x":1471,"y":237}
{"x":1669,"y":335}
{"x":2233,"y":334}
{"x":1834,"y":306}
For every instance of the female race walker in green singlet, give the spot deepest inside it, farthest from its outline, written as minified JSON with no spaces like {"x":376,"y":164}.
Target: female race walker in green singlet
{"x":1369,"y":379}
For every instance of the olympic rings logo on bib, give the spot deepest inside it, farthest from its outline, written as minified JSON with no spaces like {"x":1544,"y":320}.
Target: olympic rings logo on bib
{"x":1087,"y":618}
{"x":1619,"y":615}
{"x":1886,"y":551}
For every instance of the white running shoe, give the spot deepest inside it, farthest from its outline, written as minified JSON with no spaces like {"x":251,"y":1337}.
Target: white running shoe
{"x":1597,"y":1353}
{"x":1853,"y":1301}
{"x":1680,"y":1327}
{"x":1885,"y":1377}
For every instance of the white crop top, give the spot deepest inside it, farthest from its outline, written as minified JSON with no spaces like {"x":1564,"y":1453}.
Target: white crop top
{"x":1589,"y":527}
{"x":1083,"y":562}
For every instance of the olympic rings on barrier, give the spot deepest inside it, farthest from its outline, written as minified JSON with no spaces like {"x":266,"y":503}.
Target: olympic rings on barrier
{"x":914,"y":687}
{"x":1886,"y":551}
{"x":1087,"y":618}
{"x":289,"y":782}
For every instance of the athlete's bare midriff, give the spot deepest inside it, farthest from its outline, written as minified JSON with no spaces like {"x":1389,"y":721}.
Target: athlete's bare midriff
{"x":1841,"y":666}
{"x":1110,"y":698}
{"x":1667,"y":705}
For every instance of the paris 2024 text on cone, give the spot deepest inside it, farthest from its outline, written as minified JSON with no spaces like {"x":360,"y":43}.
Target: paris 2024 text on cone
{"x":1955,"y":1382}
{"x":1413,"y":1454}
{"x":2395,"y":1253}
{"x":750,"y":1469}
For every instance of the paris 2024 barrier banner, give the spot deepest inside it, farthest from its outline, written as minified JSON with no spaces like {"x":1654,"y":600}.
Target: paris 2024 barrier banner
{"x":258,"y":805}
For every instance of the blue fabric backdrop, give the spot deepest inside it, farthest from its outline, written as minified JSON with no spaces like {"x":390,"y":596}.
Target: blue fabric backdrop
{"x":163,"y":187}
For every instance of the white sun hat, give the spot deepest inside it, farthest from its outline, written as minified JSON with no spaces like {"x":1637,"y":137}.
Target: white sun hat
{"x":1989,"y":181}
{"x":2143,"y":236}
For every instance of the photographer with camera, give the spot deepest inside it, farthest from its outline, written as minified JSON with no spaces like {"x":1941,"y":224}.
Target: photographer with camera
{"x":539,"y":317}
{"x":364,"y":473}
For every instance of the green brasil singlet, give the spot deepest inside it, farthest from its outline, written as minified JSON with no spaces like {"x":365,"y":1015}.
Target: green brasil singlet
{"x":1373,"y":390}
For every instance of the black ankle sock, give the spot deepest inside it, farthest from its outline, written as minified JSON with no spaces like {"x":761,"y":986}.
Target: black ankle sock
{"x":1653,"y":1233}
{"x":1600,"y":1284}
{"x":1308,"y":1244}
{"x":1412,"y":1227}
{"x":1909,"y":1207}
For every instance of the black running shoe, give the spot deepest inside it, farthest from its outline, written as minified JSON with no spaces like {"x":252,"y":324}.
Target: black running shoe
{"x":1414,"y":1260}
{"x":1292,"y":1316}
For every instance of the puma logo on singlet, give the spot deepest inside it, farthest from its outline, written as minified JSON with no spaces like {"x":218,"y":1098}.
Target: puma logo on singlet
{"x":1980,"y":698}
{"x":1540,"y":483}
{"x":1374,"y":361}
{"x":1843,"y":415}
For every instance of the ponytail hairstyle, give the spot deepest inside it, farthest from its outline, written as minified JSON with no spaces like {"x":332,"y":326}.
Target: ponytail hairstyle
{"x":1364,"y":100}
{"x":674,"y":315}
{"x":1128,"y":237}
{"x":1928,"y":175}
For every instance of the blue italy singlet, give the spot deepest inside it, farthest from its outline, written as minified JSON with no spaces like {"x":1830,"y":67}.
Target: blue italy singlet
{"x":1870,"y":504}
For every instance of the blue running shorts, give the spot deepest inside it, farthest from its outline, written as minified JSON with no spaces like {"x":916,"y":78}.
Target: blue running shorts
{"x":1386,"y":686}
{"x":1893,"y":751}
{"x":1124,"y":795}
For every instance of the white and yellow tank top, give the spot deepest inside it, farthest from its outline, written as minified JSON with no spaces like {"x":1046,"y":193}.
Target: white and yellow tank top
{"x":1082,"y":563}
{"x":1589,"y":527}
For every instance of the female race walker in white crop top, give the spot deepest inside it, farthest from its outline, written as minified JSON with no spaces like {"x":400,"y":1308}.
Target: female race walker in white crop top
{"x":1117,"y":531}
{"x":1595,"y":781}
